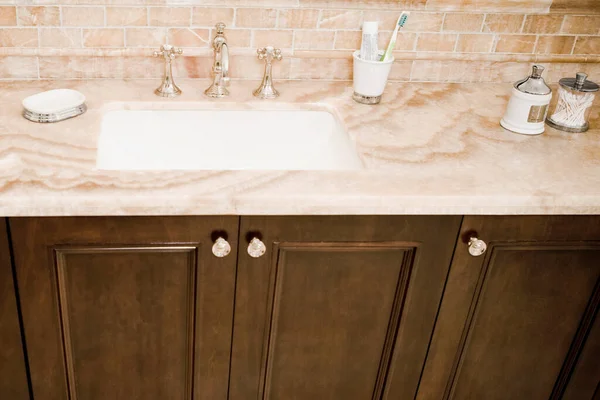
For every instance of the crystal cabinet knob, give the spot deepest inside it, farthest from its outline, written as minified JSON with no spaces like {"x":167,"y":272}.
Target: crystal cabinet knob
{"x":476,"y":247}
{"x":256,"y":248}
{"x":221,"y":247}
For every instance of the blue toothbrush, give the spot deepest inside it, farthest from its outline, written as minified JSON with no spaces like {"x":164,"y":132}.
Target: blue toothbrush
{"x":401,"y":21}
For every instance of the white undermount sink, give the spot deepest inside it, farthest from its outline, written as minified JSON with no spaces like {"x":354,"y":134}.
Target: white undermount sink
{"x":224,"y":140}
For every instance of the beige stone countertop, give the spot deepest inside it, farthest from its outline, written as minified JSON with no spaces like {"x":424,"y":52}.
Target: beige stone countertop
{"x":428,"y":148}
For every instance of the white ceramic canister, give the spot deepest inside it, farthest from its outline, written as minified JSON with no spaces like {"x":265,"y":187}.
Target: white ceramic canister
{"x":528,"y":104}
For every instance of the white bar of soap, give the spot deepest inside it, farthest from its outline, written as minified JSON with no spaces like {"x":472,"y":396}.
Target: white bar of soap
{"x":54,"y":101}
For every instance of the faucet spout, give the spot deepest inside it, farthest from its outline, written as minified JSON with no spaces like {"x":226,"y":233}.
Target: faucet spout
{"x":220,"y":68}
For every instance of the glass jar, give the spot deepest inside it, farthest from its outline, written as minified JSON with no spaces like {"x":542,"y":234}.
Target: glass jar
{"x":575,"y":99}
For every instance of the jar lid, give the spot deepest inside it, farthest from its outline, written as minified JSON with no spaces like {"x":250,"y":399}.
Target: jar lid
{"x":580,"y":83}
{"x":534,"y":84}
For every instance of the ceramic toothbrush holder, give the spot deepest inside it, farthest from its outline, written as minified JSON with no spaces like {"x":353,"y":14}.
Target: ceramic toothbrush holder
{"x":370,"y":78}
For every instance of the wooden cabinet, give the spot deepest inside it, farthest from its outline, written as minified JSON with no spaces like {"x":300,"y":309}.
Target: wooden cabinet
{"x":126,"y":308}
{"x":520,"y":321}
{"x":13,"y":378}
{"x":338,"y":307}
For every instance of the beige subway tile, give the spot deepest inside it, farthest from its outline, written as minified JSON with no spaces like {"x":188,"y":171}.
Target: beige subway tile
{"x":250,"y":67}
{"x":555,"y":44}
{"x":398,"y":5}
{"x":582,"y":25}
{"x":209,"y":16}
{"x":256,"y":18}
{"x":193,"y":67}
{"x":169,"y":16}
{"x":282,"y":39}
{"x":503,"y":23}
{"x":239,"y":37}
{"x":351,"y":40}
{"x":321,"y":68}
{"x":104,"y":37}
{"x":8,"y":16}
{"x":298,"y":18}
{"x":423,"y":22}
{"x":145,"y":37}
{"x":189,"y":37}
{"x":39,"y":16}
{"x":146,"y":67}
{"x":340,"y":19}
{"x":16,"y":67}
{"x":60,"y":37}
{"x":515,"y":43}
{"x":314,"y":40}
{"x":436,"y":41}
{"x":18,"y":37}
{"x":587,"y":45}
{"x":80,"y":67}
{"x":348,"y":40}
{"x":474,"y":43}
{"x":463,"y":22}
{"x":530,"y":6}
{"x":82,"y":16}
{"x":387,"y":19}
{"x":401,"y":70}
{"x":404,"y":42}
{"x":126,"y":16}
{"x":450,"y":71}
{"x":417,"y":22}
{"x":542,"y":23}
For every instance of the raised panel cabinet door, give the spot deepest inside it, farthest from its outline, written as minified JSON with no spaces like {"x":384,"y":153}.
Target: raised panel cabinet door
{"x":338,"y":307}
{"x":126,"y":308}
{"x":519,"y":321}
{"x":13,"y":378}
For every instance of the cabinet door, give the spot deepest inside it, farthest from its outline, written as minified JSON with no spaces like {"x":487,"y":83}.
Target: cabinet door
{"x":518,"y":321}
{"x":126,"y":308}
{"x":13,"y":379}
{"x":337,"y":307}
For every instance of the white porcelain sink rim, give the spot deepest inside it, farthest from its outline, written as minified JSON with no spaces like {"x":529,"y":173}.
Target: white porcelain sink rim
{"x":307,"y":126}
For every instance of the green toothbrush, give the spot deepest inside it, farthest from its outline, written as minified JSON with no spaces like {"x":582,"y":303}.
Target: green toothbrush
{"x":401,"y":21}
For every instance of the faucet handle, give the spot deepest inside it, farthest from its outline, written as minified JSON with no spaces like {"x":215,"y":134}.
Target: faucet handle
{"x":220,"y":26}
{"x":168,"y":51}
{"x":269,"y":54}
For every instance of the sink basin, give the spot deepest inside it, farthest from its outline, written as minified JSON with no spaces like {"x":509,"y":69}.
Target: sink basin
{"x":224,"y":140}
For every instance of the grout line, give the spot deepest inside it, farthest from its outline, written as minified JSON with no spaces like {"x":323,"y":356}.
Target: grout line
{"x":523,"y":23}
{"x":319,"y":16}
{"x":562,"y":24}
{"x":574,"y":44}
{"x":535,"y":44}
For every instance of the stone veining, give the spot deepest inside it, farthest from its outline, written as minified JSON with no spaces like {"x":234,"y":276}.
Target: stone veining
{"x":428,"y":148}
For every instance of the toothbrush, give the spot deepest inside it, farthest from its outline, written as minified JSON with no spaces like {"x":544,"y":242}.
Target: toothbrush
{"x":401,"y":21}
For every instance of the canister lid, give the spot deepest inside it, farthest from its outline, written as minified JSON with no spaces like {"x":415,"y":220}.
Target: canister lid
{"x":580,"y":83}
{"x":534,"y":84}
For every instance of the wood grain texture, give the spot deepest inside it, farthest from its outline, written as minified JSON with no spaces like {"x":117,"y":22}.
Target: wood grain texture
{"x":13,"y":379}
{"x":338,"y":307}
{"x":126,"y":308}
{"x":513,"y":323}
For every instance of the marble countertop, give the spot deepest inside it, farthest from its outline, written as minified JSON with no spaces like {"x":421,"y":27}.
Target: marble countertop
{"x":428,"y":148}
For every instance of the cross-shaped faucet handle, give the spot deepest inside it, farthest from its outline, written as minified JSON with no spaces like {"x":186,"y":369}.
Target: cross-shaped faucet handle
{"x":269,"y":54}
{"x":168,"y":51}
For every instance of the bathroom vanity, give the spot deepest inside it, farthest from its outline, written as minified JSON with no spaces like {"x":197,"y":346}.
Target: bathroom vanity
{"x":457,"y":261}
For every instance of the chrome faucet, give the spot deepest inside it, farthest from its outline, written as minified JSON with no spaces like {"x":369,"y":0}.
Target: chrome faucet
{"x":220,"y":67}
{"x":168,"y":88}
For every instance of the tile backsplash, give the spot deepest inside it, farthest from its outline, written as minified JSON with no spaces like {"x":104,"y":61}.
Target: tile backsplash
{"x":444,"y":40}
